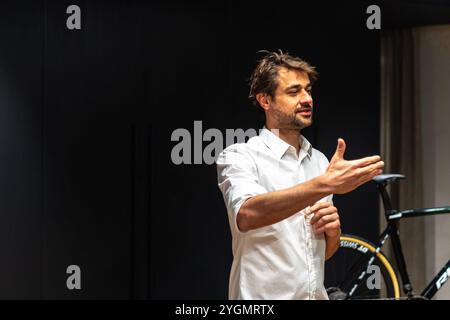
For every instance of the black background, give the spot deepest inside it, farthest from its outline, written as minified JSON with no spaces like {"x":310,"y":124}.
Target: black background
{"x":86,"y":118}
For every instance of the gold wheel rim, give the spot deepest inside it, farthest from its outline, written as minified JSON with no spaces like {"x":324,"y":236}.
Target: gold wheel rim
{"x":382,"y":259}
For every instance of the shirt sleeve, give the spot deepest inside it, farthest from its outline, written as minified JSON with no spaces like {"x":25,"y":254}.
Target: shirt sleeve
{"x":237,"y":179}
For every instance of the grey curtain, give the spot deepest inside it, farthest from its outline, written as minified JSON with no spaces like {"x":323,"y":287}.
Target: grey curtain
{"x":400,"y":143}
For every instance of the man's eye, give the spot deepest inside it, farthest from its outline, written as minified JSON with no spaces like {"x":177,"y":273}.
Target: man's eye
{"x":292,"y":93}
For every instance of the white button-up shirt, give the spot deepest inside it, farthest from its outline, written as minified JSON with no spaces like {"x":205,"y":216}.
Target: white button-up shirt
{"x":284,"y":260}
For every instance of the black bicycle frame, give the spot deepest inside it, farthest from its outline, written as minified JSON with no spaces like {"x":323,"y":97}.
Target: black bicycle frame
{"x":393,"y":217}
{"x":444,"y":274}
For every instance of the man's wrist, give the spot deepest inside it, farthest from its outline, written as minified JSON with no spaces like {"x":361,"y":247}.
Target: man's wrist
{"x":325,"y":183}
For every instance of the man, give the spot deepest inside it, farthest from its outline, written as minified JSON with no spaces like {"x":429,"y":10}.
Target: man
{"x":278,"y":190}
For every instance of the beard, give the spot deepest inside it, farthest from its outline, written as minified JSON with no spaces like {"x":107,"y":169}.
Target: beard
{"x":294,"y":121}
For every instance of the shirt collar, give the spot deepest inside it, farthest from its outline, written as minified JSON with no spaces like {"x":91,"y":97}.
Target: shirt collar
{"x":279,"y":147}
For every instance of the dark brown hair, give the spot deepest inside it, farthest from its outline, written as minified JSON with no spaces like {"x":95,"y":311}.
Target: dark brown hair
{"x":265,"y":76}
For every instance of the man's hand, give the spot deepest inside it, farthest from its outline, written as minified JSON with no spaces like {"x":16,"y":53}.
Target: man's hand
{"x":346,"y":175}
{"x":325,"y":219}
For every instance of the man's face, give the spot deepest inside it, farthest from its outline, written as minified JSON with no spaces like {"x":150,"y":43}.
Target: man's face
{"x":291,"y":107}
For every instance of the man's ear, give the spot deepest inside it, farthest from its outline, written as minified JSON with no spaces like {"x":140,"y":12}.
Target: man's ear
{"x":263,"y":100}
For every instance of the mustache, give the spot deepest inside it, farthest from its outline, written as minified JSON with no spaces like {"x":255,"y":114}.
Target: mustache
{"x":304,"y":108}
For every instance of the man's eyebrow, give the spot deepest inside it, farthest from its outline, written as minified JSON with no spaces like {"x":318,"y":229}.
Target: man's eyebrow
{"x":297,"y":86}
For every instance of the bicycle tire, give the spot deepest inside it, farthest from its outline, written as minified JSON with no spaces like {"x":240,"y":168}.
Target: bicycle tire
{"x":355,"y":252}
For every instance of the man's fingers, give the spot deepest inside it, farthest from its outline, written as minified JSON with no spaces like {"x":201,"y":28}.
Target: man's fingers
{"x":361,"y":172}
{"x":325,"y":220}
{"x":321,"y":213}
{"x":319,"y":205}
{"x":340,"y":150}
{"x":376,"y":166}
{"x":373,"y":170}
{"x":366,"y":161}
{"x":328,"y":226}
{"x":369,"y":176}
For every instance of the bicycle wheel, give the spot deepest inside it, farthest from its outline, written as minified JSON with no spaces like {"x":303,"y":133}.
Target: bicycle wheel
{"x":350,"y":262}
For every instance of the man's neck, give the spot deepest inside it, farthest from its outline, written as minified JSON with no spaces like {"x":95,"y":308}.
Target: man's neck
{"x":290,"y":136}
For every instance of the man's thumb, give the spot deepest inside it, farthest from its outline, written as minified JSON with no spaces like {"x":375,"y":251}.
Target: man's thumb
{"x":340,"y":149}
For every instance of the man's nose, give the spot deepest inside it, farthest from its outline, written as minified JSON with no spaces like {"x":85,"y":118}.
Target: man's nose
{"x":306,"y":98}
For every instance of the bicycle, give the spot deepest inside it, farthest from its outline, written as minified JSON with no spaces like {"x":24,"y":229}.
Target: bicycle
{"x":358,"y":258}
